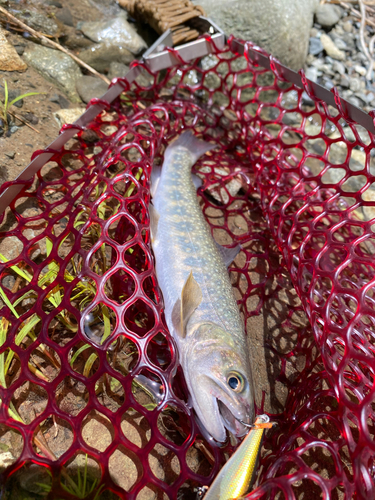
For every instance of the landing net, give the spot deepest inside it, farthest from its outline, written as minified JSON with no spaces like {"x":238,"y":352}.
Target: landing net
{"x":82,"y":332}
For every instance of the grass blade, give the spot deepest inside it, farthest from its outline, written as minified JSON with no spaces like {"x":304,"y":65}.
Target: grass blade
{"x":18,"y":98}
{"x":8,"y":303}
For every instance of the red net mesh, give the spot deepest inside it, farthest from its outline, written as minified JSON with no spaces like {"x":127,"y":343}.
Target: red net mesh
{"x":82,"y":315}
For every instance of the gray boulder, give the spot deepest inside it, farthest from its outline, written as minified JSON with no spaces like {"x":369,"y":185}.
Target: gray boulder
{"x":101,"y":55}
{"x":56,"y":67}
{"x":114,"y":32}
{"x":282,"y":27}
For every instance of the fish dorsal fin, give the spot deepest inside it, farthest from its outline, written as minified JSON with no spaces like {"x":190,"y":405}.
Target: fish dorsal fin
{"x":155,"y":178}
{"x":191,"y":297}
{"x":228,"y":254}
{"x":154,"y":220}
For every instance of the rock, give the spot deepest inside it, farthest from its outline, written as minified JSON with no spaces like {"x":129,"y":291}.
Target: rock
{"x":74,"y":39}
{"x":369,"y":195}
{"x":327,"y":15}
{"x":312,"y":74}
{"x":101,"y":55}
{"x":60,"y":100}
{"x":360,"y":70}
{"x":355,"y":101}
{"x":33,"y":478}
{"x":279,"y":26}
{"x":31,"y":118}
{"x":115,"y":32}
{"x":348,"y":26}
{"x":89,"y":87}
{"x":315,"y":46}
{"x":39,"y":22}
{"x":10,"y":154}
{"x":55,"y":3}
{"x":355,"y":84}
{"x":20,"y":48}
{"x":14,"y":129}
{"x":340,"y":43}
{"x":331,"y":49}
{"x":9,"y":59}
{"x":68,"y":115}
{"x":65,"y":16}
{"x":117,"y":69}
{"x":56,"y":67}
{"x":338,"y":67}
{"x":344,"y":81}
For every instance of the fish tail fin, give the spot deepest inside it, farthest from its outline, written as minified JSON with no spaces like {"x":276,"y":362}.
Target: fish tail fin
{"x":196,"y":147}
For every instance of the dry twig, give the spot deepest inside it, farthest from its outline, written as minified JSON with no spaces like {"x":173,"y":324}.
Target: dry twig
{"x":23,"y":121}
{"x":362,"y":38}
{"x":55,"y":45}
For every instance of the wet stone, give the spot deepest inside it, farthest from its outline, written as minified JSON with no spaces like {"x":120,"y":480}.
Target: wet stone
{"x":65,"y":16}
{"x":115,"y":32}
{"x":117,"y":70}
{"x":89,"y":87}
{"x":56,"y":67}
{"x":100,"y":56}
{"x":39,"y":22}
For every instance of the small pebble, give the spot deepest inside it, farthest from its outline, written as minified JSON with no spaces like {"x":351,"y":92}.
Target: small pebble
{"x":14,"y":129}
{"x":331,"y":49}
{"x":348,"y":26}
{"x":327,"y":15}
{"x":360,"y":70}
{"x":338,"y":67}
{"x":340,"y":44}
{"x":355,"y":84}
{"x":312,"y":74}
{"x":10,"y":154}
{"x":315,"y":46}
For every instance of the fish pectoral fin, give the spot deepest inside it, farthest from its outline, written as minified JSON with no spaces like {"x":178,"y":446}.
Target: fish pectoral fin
{"x":191,"y":297}
{"x":228,"y":254}
{"x":154,"y":220}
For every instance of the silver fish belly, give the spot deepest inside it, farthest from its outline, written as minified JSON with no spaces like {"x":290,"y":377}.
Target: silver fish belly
{"x":200,"y":308}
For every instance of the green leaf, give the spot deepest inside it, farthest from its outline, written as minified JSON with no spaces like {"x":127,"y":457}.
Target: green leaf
{"x":24,"y":274}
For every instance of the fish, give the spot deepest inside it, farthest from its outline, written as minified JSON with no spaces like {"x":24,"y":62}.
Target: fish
{"x":200,"y":309}
{"x":237,"y":476}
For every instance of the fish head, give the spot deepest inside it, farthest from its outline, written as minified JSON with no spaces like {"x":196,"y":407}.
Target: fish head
{"x":218,"y":375}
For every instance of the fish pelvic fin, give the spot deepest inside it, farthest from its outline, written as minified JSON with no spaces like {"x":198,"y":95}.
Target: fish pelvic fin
{"x":196,"y":147}
{"x":228,"y":254}
{"x":191,"y":297}
{"x":155,"y":178}
{"x":154,"y":220}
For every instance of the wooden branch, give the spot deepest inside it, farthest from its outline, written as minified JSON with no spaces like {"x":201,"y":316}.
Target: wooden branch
{"x":55,"y":45}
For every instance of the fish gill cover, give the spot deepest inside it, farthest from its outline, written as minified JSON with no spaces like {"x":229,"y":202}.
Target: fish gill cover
{"x":82,"y":315}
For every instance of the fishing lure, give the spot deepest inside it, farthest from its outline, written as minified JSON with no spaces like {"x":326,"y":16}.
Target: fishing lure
{"x":237,"y":476}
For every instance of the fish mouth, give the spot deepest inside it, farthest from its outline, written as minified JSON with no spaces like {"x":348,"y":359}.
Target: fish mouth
{"x":231,"y":422}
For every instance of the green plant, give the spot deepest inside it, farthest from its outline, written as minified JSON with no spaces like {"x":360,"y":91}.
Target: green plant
{"x":5,"y":105}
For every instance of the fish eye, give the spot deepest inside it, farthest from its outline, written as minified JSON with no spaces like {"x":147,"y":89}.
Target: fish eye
{"x":235,"y":382}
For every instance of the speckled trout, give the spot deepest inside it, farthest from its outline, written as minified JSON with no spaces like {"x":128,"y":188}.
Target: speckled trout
{"x":200,"y":308}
